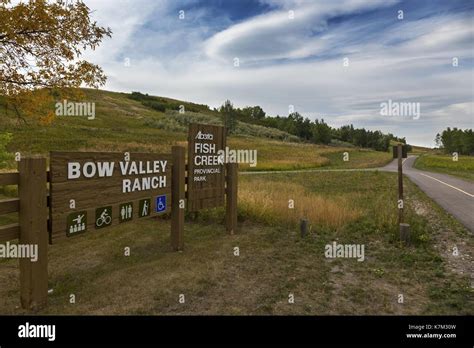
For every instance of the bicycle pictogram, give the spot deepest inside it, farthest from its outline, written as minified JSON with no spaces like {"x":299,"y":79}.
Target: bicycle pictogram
{"x":103,"y":217}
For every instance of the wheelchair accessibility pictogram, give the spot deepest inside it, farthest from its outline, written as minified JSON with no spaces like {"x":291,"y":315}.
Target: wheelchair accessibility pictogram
{"x":161,"y":204}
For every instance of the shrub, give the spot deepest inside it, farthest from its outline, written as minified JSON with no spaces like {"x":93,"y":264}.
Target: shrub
{"x":5,"y":156}
{"x":154,"y":105}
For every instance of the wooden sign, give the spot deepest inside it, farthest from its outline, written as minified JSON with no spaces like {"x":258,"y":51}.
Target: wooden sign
{"x":206,"y":171}
{"x":395,"y":151}
{"x":95,"y":190}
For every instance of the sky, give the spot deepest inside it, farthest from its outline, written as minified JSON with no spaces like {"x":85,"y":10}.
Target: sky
{"x":339,"y":60}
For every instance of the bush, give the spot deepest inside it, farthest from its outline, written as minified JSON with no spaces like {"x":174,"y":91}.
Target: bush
{"x":5,"y":156}
{"x":166,"y":124}
{"x":193,"y":117}
{"x":340,"y":143}
{"x":154,"y":105}
{"x":248,"y":129}
{"x":160,"y":104}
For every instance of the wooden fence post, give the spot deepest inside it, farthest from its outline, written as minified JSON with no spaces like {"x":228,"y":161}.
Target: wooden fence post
{"x":400,"y":181}
{"x":33,"y":231}
{"x":231,"y":197}
{"x":178,"y":196}
{"x":303,"y":227}
{"x":405,"y":233}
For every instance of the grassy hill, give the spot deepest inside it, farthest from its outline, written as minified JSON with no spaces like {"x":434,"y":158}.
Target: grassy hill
{"x":420,"y":150}
{"x":125,"y":124}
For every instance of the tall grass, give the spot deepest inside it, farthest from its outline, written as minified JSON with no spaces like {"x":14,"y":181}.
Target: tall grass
{"x":361,"y":206}
{"x":269,"y":202}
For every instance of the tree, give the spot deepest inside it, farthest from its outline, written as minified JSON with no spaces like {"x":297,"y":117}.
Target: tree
{"x":438,"y":140}
{"x":40,"y":47}
{"x":321,"y":132}
{"x":458,"y":140}
{"x":257,"y":113}
{"x":5,"y":156}
{"x":229,"y":115}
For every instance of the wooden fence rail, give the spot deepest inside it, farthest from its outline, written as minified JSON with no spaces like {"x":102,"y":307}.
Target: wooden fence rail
{"x":9,"y":232}
{"x":7,"y":206}
{"x":9,"y":178}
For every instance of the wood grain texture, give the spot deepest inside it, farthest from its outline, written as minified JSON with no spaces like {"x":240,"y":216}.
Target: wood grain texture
{"x":209,"y":193}
{"x":231,"y":198}
{"x":9,"y":206}
{"x":9,"y":232}
{"x":178,"y":193}
{"x":9,"y":178}
{"x":33,"y":231}
{"x":96,"y":192}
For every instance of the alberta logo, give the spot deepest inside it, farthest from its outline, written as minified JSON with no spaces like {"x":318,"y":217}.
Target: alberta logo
{"x":202,"y":136}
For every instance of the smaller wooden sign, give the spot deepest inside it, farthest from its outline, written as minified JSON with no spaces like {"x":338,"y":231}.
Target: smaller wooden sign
{"x":404,"y":151}
{"x":206,"y":170}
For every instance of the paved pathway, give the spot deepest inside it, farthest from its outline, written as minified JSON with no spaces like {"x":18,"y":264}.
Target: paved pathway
{"x":455,"y":195}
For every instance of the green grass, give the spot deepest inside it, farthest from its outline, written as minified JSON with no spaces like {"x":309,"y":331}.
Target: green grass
{"x":419,"y":150}
{"x":274,"y":261}
{"x":358,"y":158}
{"x":463,"y":168}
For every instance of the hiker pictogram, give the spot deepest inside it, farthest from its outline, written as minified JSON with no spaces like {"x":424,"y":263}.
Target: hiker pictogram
{"x":144,"y":207}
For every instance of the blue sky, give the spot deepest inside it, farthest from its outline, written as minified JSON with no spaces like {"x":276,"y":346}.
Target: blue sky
{"x":291,"y":52}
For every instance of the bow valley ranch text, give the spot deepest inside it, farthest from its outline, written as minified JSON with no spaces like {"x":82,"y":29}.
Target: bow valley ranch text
{"x":89,"y":170}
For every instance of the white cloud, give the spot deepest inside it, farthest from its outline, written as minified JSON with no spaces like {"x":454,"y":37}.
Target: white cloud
{"x":417,"y":68}
{"x":124,"y":17}
{"x":275,"y":35}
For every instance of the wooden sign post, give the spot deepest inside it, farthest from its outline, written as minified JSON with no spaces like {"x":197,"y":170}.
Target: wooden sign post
{"x":33,"y":231}
{"x":178,"y":196}
{"x":231,"y":199}
{"x":400,"y":182}
{"x":400,"y":152}
{"x":206,"y":171}
{"x":210,"y":178}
